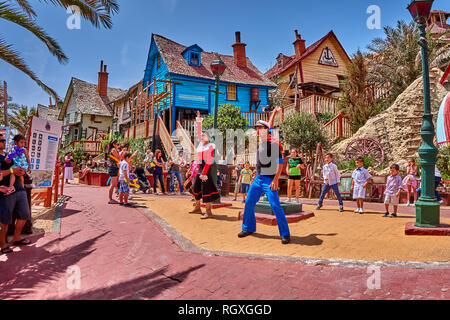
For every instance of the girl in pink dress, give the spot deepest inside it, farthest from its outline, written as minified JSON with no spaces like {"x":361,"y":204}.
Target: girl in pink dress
{"x":410,"y":181}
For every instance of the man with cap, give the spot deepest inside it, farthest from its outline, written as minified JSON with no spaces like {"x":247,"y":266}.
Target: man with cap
{"x":269,"y":165}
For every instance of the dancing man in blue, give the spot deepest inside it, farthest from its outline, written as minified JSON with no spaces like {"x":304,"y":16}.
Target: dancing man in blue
{"x":269,"y":165}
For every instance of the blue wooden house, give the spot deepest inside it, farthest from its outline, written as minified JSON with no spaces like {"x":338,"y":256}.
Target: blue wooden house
{"x":242,"y":84}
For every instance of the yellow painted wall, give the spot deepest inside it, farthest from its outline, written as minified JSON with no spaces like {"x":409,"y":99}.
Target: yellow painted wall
{"x":315,"y":72}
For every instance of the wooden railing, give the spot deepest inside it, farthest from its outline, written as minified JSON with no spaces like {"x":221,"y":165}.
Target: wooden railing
{"x":185,"y":139}
{"x":140,"y":130}
{"x":166,"y":139}
{"x":189,"y":127}
{"x":250,"y":157}
{"x":317,"y":104}
{"x":44,"y":196}
{"x":253,"y":117}
{"x":91,"y":147}
{"x":339,"y":127}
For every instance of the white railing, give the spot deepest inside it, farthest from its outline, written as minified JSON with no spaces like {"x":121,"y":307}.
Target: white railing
{"x":250,"y":157}
{"x":253,"y":117}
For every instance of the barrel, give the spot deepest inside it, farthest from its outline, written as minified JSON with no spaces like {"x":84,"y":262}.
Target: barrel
{"x":255,"y":94}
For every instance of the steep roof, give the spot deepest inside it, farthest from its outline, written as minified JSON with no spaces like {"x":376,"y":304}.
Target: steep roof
{"x":171,"y":53}
{"x":47,"y":113}
{"x":88,"y":100}
{"x":275,"y":71}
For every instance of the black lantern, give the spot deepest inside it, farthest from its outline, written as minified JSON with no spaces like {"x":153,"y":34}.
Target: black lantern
{"x":218,"y":67}
{"x":420,"y":10}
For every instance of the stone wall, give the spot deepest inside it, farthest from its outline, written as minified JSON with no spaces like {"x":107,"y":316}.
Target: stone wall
{"x":397,"y":129}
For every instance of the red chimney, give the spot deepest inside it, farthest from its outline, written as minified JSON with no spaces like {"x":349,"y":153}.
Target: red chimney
{"x":299,"y":45}
{"x":240,"y":59}
{"x":102,"y":86}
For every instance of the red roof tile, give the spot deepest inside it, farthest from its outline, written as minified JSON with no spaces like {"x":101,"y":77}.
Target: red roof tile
{"x":171,"y":53}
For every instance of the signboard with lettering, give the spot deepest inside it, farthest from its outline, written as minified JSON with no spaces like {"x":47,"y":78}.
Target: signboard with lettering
{"x":43,"y":150}
{"x":327,"y":58}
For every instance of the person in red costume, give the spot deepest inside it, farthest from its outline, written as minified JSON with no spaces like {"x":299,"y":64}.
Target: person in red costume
{"x":204,"y":187}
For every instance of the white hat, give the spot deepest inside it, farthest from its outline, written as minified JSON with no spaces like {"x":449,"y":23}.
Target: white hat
{"x":262,"y":123}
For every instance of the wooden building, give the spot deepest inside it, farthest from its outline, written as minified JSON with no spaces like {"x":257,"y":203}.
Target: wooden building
{"x":311,"y":80}
{"x":317,"y":69}
{"x":181,"y":78}
{"x":86,"y":113}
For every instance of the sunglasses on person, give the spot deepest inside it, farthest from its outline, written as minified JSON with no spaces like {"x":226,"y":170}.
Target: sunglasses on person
{"x":2,"y":140}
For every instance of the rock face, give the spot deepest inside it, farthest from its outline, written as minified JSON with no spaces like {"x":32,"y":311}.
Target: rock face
{"x":397,"y":129}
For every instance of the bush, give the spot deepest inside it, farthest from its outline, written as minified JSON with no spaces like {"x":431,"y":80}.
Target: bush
{"x":351,"y":165}
{"x":229,"y":117}
{"x":443,"y":161}
{"x":325,"y":117}
{"x":302,"y":131}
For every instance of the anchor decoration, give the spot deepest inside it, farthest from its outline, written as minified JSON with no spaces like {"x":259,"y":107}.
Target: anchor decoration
{"x":327,"y":58}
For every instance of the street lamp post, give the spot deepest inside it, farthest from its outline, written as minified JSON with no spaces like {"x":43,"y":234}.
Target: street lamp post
{"x":427,"y":207}
{"x":218,"y":68}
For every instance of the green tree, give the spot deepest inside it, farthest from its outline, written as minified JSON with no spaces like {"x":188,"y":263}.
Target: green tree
{"x":302,"y":131}
{"x":97,"y":12}
{"x":356,"y":102}
{"x":228,"y":117}
{"x":21,"y":119}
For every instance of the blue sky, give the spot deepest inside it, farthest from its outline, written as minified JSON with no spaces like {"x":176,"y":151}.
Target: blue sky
{"x":266,"y":26}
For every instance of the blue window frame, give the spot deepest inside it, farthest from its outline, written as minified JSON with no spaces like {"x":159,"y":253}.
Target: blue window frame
{"x":194,"y":59}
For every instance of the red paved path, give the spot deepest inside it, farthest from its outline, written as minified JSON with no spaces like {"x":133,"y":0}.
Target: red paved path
{"x":123,"y":254}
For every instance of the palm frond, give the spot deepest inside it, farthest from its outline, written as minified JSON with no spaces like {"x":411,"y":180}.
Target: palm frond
{"x":7,"y":12}
{"x":26,"y":7}
{"x":95,"y":11}
{"x":10,"y":56}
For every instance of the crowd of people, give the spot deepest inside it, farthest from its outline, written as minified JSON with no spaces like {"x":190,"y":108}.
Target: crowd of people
{"x":13,"y":197}
{"x":197,"y":177}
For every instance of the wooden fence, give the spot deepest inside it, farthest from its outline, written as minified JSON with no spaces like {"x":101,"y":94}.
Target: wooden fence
{"x":45,"y":196}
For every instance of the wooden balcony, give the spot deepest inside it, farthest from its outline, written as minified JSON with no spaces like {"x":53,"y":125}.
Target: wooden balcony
{"x":253,"y":117}
{"x":89,"y":147}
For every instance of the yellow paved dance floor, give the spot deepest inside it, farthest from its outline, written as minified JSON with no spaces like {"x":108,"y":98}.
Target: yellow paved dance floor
{"x":328,"y":235}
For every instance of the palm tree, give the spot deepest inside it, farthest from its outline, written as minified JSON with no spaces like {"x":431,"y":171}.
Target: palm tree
{"x":357,"y":102}
{"x":395,"y":59}
{"x":97,"y":12}
{"x":21,"y":118}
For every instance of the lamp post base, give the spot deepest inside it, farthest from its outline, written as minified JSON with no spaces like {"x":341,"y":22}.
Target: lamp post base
{"x":427,"y":214}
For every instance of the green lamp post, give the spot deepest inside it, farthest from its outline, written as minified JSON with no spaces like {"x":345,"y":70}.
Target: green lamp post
{"x":427,"y":207}
{"x":218,"y":68}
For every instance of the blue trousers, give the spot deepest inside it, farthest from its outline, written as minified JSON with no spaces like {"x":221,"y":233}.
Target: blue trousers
{"x":326,"y":189}
{"x":176,"y":174}
{"x":437,"y":181}
{"x":261,"y":185}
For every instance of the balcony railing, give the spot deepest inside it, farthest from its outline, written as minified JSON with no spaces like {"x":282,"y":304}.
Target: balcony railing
{"x":253,"y":117}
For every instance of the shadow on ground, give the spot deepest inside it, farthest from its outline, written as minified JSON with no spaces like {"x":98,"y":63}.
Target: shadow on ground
{"x":310,"y":240}
{"x":145,"y":287}
{"x":34,"y":266}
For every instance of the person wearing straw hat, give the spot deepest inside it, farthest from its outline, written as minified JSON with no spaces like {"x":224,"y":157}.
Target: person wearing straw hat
{"x":269,"y":166}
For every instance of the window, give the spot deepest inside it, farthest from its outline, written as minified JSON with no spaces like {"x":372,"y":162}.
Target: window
{"x":158,"y":61}
{"x":231,"y":92}
{"x":195,"y":61}
{"x":342,"y":79}
{"x":293,"y":80}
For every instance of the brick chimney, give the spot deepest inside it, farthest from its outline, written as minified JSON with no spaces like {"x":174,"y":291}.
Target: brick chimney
{"x":102,"y":86}
{"x":299,"y":45}
{"x":240,"y":59}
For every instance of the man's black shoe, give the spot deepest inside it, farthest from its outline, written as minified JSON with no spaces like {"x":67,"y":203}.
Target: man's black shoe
{"x":285,"y":240}
{"x":244,"y":234}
